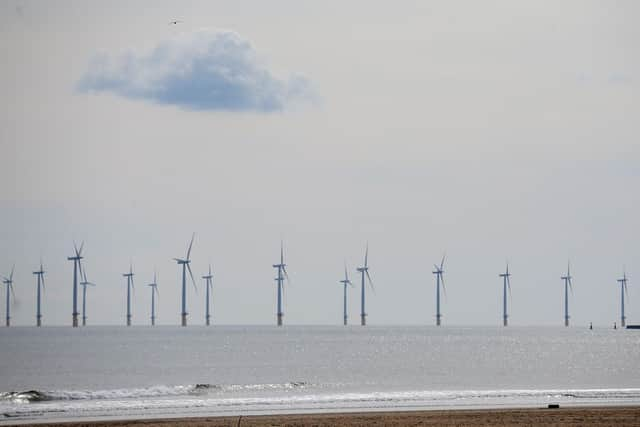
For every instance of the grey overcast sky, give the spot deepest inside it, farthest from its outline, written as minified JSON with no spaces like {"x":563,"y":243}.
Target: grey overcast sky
{"x":488,"y":130}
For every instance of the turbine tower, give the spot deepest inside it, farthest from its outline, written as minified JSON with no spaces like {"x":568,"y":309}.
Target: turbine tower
{"x":154,"y":292}
{"x":84,"y":285}
{"x":567,"y":286}
{"x":623,"y":290}
{"x":345,"y":282}
{"x":364,"y":271}
{"x":9,"y":282}
{"x":77,"y":267}
{"x":186,"y":266}
{"x":282,"y":274}
{"x":129,"y":277}
{"x":40,"y":275}
{"x":506,"y":283}
{"x":209,"y":286}
{"x":439,"y":279}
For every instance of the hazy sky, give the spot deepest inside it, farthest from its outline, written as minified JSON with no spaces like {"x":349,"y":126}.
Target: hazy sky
{"x":488,"y":130}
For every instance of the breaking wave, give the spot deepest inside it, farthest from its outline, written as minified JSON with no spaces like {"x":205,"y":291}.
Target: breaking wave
{"x":213,"y":399}
{"x":140,"y":393}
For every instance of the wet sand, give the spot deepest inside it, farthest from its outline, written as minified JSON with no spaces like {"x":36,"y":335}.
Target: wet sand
{"x":594,"y":416}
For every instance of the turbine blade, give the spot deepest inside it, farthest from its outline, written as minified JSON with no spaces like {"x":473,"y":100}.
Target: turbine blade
{"x":80,"y":267}
{"x":12,"y":270}
{"x":81,"y":246}
{"x":281,"y":252}
{"x":370,"y":281}
{"x":366,"y":255}
{"x":442,"y":262}
{"x":444,"y":290}
{"x":42,"y":281}
{"x":570,"y":285}
{"x":75,"y":247}
{"x":13,"y":294}
{"x":193,"y":236}
{"x":286,"y":275}
{"x":192,"y":279}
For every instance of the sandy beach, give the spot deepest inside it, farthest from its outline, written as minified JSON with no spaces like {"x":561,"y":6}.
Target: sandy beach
{"x":593,"y":416}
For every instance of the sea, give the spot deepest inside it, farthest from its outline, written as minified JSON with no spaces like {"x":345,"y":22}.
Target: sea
{"x":108,"y":372}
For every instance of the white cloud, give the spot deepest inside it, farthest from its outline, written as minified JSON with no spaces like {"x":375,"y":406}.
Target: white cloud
{"x":202,"y":70}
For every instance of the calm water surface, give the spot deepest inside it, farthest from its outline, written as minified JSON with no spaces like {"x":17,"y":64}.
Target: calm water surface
{"x":103,"y":372}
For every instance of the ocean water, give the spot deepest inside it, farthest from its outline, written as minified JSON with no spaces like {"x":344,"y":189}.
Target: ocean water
{"x":104,"y":372}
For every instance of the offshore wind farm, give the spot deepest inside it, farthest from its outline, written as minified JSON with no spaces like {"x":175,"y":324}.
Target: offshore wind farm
{"x":281,"y":276}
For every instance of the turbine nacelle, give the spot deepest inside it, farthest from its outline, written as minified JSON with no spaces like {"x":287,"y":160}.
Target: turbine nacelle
{"x":78,"y":252}
{"x":623,"y":283}
{"x":346,"y":282}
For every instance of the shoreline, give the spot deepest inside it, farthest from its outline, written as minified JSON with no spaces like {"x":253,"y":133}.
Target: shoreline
{"x":565,"y":416}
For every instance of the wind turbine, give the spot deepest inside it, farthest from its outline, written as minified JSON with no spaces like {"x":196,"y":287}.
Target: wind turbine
{"x":129,"y":277}
{"x":40,"y":275}
{"x":567,"y":285}
{"x":364,"y":271}
{"x":623,"y":290}
{"x":209,"y":286}
{"x":345,"y":282}
{"x":439,"y":279}
{"x":77,"y":267}
{"x":282,"y":274}
{"x":506,"y":283}
{"x":84,"y":285}
{"x":154,"y":292}
{"x":9,"y":282}
{"x":185,"y":266}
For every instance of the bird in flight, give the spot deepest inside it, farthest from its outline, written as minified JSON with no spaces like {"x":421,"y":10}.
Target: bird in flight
{"x":175,"y":22}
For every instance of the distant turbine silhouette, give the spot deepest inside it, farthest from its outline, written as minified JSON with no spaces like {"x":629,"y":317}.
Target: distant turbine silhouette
{"x":623,"y":290}
{"x":40,"y":275}
{"x":77,"y":268}
{"x":9,"y":282}
{"x":439,"y":279}
{"x":209,"y":286}
{"x":345,"y":282}
{"x":186,"y":266}
{"x":282,"y":274}
{"x":567,"y":286}
{"x":506,"y":283}
{"x":154,"y":292}
{"x":364,"y":271}
{"x":84,"y":285}
{"x":129,"y":277}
